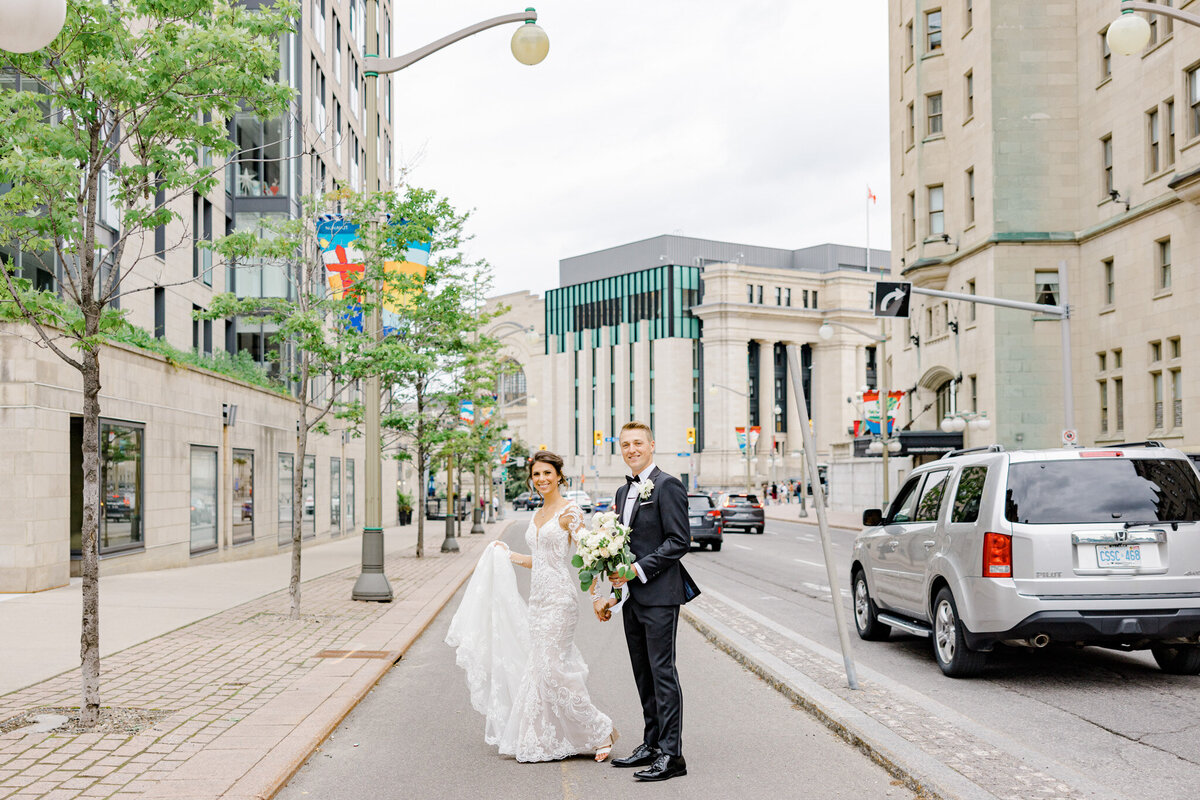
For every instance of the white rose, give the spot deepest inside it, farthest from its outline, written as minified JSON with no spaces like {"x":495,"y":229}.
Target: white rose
{"x":604,"y":552}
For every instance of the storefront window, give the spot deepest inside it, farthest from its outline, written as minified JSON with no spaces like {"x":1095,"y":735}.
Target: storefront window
{"x":204,"y":499}
{"x":286,"y":486}
{"x":310,"y":496}
{"x":350,"y":494}
{"x":121,"y":458}
{"x":335,"y":495}
{"x":243,"y":496}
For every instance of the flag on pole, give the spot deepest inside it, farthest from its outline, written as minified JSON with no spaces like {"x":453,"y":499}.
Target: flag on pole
{"x":754,"y":433}
{"x":505,"y":449}
{"x":871,"y":195}
{"x":741,"y":437}
{"x":485,"y":414}
{"x":466,"y":412}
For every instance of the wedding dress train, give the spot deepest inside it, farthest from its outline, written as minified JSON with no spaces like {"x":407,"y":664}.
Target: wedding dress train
{"x":525,"y":674}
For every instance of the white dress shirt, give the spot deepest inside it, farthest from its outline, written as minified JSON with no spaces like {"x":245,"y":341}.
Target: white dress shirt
{"x":632,"y":497}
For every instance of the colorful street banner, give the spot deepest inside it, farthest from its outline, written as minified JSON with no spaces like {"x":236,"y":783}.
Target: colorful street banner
{"x":755,"y":431}
{"x":740,"y":433}
{"x":344,"y":267}
{"x":466,"y":412}
{"x":505,"y":449}
{"x":871,"y":413}
{"x":485,"y":415}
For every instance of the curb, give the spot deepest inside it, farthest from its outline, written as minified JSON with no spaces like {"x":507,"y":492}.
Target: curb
{"x":271,"y":773}
{"x":920,"y":772}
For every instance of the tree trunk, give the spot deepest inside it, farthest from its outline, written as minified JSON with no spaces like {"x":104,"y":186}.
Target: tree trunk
{"x":298,"y":492}
{"x":89,"y":638}
{"x":422,"y":464}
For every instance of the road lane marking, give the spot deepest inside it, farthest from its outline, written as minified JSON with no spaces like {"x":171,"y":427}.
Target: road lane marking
{"x":810,"y":563}
{"x":743,"y":546}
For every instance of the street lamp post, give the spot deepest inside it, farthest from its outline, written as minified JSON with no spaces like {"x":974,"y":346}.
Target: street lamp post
{"x":712,"y":389}
{"x":529,"y":46}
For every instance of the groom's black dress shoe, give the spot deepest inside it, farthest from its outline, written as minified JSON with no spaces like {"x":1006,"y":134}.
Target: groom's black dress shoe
{"x":664,"y":767}
{"x":640,"y":757}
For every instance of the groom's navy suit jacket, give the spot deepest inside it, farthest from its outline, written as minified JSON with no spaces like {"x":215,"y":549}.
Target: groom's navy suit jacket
{"x":660,"y":536}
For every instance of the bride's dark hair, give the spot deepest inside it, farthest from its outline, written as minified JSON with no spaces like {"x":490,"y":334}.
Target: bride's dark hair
{"x":546,"y":457}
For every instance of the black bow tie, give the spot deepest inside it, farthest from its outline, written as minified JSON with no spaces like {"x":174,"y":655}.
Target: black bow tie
{"x":633,"y":479}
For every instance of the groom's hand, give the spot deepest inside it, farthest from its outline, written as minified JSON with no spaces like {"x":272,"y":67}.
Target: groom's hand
{"x":616,"y":580}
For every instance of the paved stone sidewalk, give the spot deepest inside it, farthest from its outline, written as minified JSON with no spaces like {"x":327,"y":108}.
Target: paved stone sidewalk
{"x":246,"y":693}
{"x":937,"y":751}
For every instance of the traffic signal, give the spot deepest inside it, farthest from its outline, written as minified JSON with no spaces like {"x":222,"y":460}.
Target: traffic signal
{"x":597,"y":438}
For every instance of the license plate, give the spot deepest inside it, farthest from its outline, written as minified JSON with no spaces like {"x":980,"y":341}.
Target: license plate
{"x":1118,"y":555}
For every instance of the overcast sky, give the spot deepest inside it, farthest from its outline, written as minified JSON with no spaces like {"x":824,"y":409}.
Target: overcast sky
{"x":754,"y":121}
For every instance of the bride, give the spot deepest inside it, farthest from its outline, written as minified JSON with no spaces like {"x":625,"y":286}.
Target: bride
{"x":525,"y":673}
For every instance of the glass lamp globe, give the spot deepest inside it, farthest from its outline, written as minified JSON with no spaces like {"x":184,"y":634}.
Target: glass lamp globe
{"x":1128,"y":33}
{"x":983,"y":423}
{"x":825,"y":331}
{"x":530,"y":44}
{"x":533,"y":401}
{"x":960,"y":424}
{"x":532,"y":334}
{"x":712,"y":389}
{"x":947,"y":425}
{"x":30,"y":25}
{"x":894,"y":446}
{"x":875,"y":447}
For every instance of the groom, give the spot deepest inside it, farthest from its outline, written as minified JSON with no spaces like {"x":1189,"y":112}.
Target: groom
{"x":654,"y":505}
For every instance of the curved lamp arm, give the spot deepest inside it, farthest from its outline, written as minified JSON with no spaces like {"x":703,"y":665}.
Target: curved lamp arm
{"x":383,"y":66}
{"x":1164,"y":10}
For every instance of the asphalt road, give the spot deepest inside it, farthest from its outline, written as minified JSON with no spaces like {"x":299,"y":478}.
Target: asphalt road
{"x":1111,"y":716}
{"x":416,"y":735}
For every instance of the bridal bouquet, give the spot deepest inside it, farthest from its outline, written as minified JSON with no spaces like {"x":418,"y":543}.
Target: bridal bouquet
{"x":603,"y":550}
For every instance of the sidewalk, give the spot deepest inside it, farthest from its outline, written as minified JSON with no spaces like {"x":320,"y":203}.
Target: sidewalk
{"x":790,"y":512}
{"x":228,"y":706}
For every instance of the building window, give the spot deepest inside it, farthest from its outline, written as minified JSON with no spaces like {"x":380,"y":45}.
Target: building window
{"x":1162,"y":250}
{"x":912,"y":218}
{"x":933,"y":31}
{"x":971,"y":306}
{"x":319,"y":117}
{"x":804,"y":297}
{"x":1155,"y":352}
{"x":1156,"y":382}
{"x":969,"y":90}
{"x":912,"y":126}
{"x":202,"y":231}
{"x":318,"y":23}
{"x":971,"y":196}
{"x":872,"y":365}
{"x":934,"y":109}
{"x":778,"y":296}
{"x":1107,"y":159}
{"x":1169,"y":149}
{"x":1110,"y":282}
{"x":749,"y":292}
{"x":1119,"y":402}
{"x":119,"y":524}
{"x":195,"y":329}
{"x":1103,"y":406}
{"x":1193,"y":85}
{"x":968,"y":14}
{"x":349,"y":494}
{"x":1176,"y":348}
{"x":1116,"y":359}
{"x":1102,"y":360}
{"x":1176,"y":398}
{"x":204,"y":499}
{"x":309,"y":495}
{"x":973,"y":382}
{"x":284,"y":496}
{"x":908,"y":43}
{"x":260,"y":156}
{"x":1105,"y":56}
{"x":1153,"y":143}
{"x":814,"y":298}
{"x":243,"y":496}
{"x":787,"y":297}
{"x":337,"y":132}
{"x":937,"y":221}
{"x":1046,"y":287}
{"x":760,"y":294}
{"x":335,"y":494}
{"x":160,"y":312}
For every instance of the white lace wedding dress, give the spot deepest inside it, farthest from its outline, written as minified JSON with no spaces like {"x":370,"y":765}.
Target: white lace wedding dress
{"x":524,"y":671}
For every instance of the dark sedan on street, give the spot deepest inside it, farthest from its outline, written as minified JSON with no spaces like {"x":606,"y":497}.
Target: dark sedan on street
{"x":527,"y":501}
{"x":704,"y":520}
{"x":742,"y":511}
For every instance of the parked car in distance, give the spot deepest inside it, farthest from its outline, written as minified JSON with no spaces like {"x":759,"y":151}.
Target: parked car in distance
{"x":581,"y":497}
{"x":603,"y":504}
{"x":1078,"y":546}
{"x":704,"y":521}
{"x":527,"y":501}
{"x":741,"y":511}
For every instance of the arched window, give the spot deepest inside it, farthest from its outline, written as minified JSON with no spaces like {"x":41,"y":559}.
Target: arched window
{"x":512,"y":384}
{"x":945,"y":400}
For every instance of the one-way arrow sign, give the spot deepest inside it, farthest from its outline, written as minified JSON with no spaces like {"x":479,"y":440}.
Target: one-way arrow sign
{"x":891,"y":299}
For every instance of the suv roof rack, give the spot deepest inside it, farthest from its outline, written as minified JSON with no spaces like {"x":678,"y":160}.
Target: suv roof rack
{"x":991,"y":448}
{"x":1147,"y":443}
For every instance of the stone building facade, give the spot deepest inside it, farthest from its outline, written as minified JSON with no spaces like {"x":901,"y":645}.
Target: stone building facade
{"x":1030,"y":163}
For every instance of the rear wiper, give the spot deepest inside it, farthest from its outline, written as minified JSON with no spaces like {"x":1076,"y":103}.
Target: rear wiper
{"x":1131,"y":524}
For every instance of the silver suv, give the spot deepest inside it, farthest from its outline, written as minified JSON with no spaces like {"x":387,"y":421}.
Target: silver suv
{"x":1081,"y":546}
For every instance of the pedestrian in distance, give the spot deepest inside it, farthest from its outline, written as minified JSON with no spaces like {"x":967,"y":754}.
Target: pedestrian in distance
{"x":654,"y":506}
{"x":525,"y":673}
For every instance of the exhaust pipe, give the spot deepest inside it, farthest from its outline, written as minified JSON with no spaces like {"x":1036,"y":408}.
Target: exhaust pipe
{"x":1041,"y":640}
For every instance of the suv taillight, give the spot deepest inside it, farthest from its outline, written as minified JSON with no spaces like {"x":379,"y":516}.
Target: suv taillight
{"x":716,"y":512}
{"x":997,"y":555}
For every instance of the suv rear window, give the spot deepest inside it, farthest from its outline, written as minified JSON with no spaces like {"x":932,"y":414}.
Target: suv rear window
{"x":699,"y":502}
{"x":741,"y":500}
{"x":1102,"y":490}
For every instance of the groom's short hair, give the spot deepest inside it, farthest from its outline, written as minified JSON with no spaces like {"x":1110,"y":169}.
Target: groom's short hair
{"x":635,"y":425}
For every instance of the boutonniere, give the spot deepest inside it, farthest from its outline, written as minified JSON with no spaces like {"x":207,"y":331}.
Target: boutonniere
{"x":647,"y":488}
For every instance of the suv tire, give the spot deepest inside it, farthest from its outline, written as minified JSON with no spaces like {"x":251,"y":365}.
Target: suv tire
{"x":949,"y":644}
{"x":1177,"y":659}
{"x":866,"y":615}
{"x":716,"y":547}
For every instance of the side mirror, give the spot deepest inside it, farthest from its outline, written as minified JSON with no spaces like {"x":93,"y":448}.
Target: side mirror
{"x":872,"y":517}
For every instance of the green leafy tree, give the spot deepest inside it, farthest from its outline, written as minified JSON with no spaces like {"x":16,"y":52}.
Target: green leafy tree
{"x":516,"y":478}
{"x":132,"y":89}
